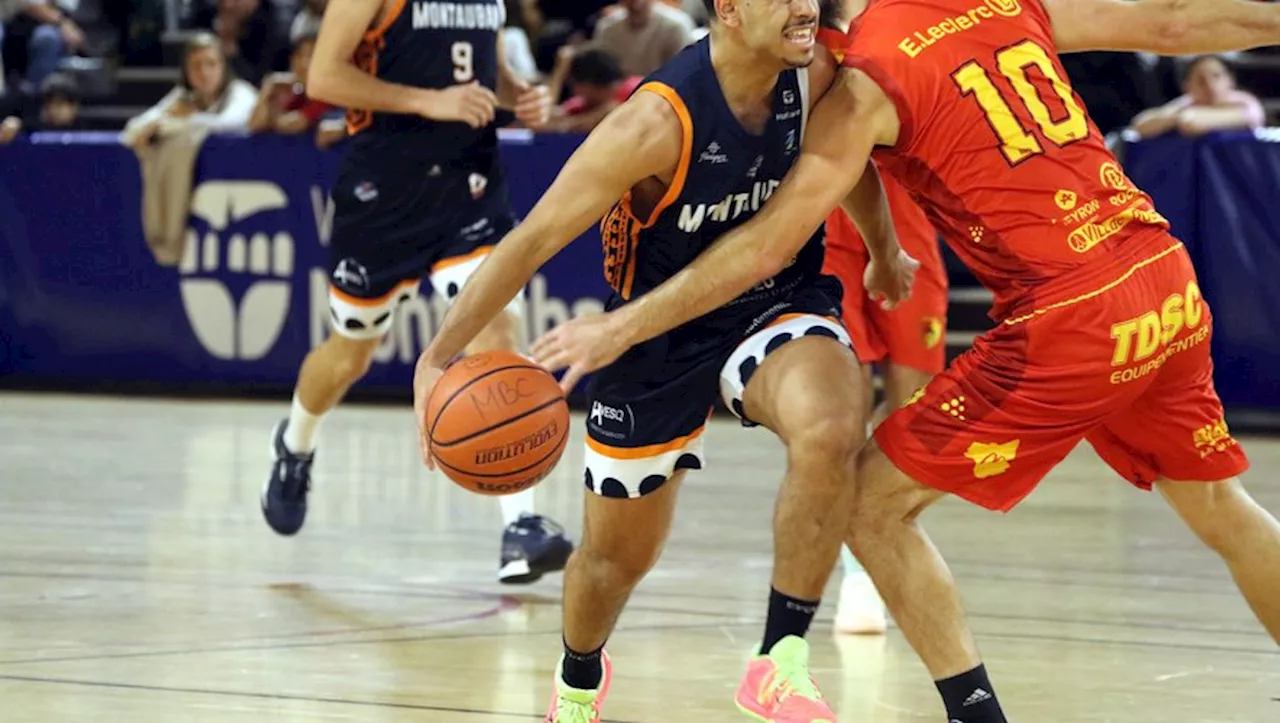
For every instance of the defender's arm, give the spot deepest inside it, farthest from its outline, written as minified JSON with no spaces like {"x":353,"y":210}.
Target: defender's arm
{"x":1165,"y":27}
{"x":642,"y":138}
{"x":854,"y":117}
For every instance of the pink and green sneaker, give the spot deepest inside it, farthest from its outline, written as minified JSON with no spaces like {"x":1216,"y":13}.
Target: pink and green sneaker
{"x":777,"y":687}
{"x":571,"y":705}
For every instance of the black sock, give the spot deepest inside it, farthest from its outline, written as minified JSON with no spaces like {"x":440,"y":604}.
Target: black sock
{"x":970,"y":698}
{"x":582,"y":670}
{"x":787,"y":616}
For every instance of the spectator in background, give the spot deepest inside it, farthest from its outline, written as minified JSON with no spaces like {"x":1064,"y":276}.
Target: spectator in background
{"x":1210,"y":102}
{"x":209,"y":94}
{"x":250,"y":40}
{"x":307,"y":21}
{"x":35,"y":36}
{"x":517,"y":46}
{"x":59,"y":110}
{"x":598,"y":86}
{"x":283,"y":105}
{"x":644,"y":35}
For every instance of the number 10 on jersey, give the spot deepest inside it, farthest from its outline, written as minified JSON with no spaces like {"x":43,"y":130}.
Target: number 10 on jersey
{"x":1016,"y":142}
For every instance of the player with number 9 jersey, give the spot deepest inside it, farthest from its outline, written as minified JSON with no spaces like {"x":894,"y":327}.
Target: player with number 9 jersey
{"x":1101,"y":325}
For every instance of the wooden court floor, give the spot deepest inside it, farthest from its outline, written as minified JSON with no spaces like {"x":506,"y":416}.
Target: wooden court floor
{"x":138,"y":583}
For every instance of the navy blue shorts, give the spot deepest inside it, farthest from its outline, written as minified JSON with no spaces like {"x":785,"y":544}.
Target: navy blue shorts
{"x":395,"y":224}
{"x":648,"y":409}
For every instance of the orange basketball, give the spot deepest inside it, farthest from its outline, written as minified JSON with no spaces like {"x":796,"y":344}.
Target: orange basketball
{"x":497,"y":423}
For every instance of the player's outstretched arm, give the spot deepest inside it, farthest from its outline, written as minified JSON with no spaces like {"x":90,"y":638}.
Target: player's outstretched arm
{"x":854,"y":117}
{"x":334,"y":77}
{"x":1165,"y":27}
{"x":642,"y":138}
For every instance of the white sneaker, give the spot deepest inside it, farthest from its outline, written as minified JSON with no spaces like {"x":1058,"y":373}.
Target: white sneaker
{"x":860,"y":610}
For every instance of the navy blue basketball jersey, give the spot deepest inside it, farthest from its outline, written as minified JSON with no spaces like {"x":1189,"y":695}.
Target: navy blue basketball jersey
{"x":724,"y":177}
{"x":429,"y":45}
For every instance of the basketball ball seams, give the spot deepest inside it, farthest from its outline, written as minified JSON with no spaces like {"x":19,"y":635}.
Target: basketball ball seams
{"x":555,"y":450}
{"x":440,"y":412}
{"x":499,"y":425}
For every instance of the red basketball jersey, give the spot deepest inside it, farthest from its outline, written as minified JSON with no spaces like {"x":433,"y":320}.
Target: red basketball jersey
{"x":997,"y":147}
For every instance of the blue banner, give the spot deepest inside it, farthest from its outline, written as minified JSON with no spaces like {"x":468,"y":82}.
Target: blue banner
{"x":83,"y":302}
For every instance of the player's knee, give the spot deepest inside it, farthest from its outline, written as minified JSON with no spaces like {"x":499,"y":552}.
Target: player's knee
{"x":831,"y":440}
{"x":881,"y":499}
{"x":1213,"y":510}
{"x":620,"y":559}
{"x":501,"y":333}
{"x":350,"y":359}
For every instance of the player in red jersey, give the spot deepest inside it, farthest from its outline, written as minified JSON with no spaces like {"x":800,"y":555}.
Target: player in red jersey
{"x":1102,"y":333}
{"x":906,"y":343}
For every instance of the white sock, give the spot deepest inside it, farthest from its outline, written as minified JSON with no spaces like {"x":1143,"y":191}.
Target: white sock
{"x":300,"y":432}
{"x":515,"y":505}
{"x":851,"y":565}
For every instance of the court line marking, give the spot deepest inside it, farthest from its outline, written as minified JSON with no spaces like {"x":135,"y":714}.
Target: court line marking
{"x":272,"y":696}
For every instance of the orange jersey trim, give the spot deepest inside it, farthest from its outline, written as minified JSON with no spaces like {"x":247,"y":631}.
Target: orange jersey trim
{"x":376,"y":32}
{"x":369,"y":303}
{"x":646,"y":452}
{"x":620,"y":228}
{"x":456,"y":260}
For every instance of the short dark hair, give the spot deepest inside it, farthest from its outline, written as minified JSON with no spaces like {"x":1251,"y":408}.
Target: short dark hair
{"x":1189,"y":66}
{"x":595,"y":67}
{"x":60,"y":86}
{"x":710,"y":5}
{"x":831,"y":14}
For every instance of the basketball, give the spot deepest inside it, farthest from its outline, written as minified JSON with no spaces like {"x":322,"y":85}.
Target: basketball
{"x":497,"y":423}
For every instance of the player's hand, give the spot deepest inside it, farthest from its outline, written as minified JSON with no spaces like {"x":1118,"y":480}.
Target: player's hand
{"x":533,"y":106}
{"x":425,"y":376}
{"x":580,"y":346}
{"x":472,"y":104}
{"x":889,"y":281}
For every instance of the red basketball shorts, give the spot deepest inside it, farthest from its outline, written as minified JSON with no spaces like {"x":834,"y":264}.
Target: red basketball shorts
{"x":1124,"y":363}
{"x":914,"y":333}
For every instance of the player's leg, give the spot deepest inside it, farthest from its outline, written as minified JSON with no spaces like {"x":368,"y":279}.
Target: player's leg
{"x":639,"y":443}
{"x":532,"y":544}
{"x":361,"y":305}
{"x":1176,"y":430}
{"x":986,"y":430}
{"x":1246,"y":536}
{"x":859,"y":610}
{"x":799,"y":378}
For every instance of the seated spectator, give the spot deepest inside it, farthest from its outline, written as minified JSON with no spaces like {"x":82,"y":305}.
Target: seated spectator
{"x":250,"y":40}
{"x":209,"y":94}
{"x":1210,"y":102}
{"x":59,"y":110}
{"x":644,"y":35}
{"x":307,"y":21}
{"x":35,"y":36}
{"x":283,"y":105}
{"x":598,"y":86}
{"x":517,"y":47}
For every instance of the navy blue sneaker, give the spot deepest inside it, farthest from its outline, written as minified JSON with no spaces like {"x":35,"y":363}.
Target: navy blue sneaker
{"x":284,"y":499}
{"x":532,"y":546}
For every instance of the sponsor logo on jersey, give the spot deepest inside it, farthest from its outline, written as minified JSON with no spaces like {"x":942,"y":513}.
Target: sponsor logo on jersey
{"x":921,"y":40}
{"x":459,"y":16}
{"x":692,"y":216}
{"x":990,"y":460}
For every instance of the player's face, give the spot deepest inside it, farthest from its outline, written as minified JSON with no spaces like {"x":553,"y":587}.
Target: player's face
{"x":786,"y":29}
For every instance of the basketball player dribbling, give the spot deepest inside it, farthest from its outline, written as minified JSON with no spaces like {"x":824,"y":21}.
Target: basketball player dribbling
{"x":1102,"y":333}
{"x":420,"y":193}
{"x":906,"y":343}
{"x":695,"y":152}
